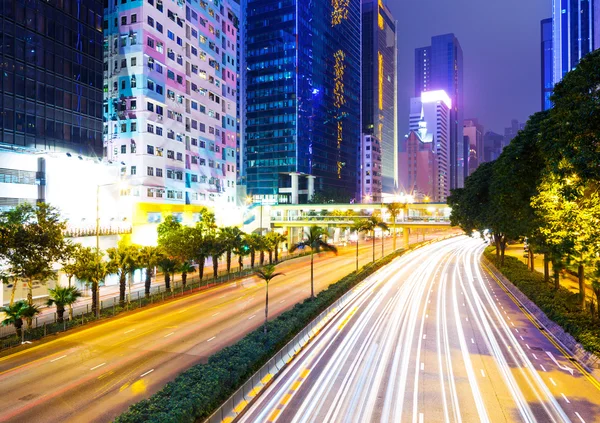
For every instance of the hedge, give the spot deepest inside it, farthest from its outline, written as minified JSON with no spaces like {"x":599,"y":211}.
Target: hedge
{"x":196,"y":393}
{"x":561,"y":306}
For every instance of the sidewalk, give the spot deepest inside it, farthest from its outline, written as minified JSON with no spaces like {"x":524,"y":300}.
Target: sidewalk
{"x":567,"y":280}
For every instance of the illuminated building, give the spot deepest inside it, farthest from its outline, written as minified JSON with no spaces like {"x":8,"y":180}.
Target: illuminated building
{"x":440,"y":67}
{"x":302,"y":99}
{"x":170,"y":83}
{"x":379,"y":86}
{"x":575,"y":33}
{"x":546,"y":61}
{"x":473,"y":133}
{"x":370,"y":168}
{"x":424,"y":157}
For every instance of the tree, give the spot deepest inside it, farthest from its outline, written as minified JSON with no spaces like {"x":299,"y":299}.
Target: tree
{"x":217,"y":247}
{"x":253,"y":242}
{"x":273,"y":239}
{"x":16,"y":312}
{"x":314,"y":240}
{"x":92,"y":269}
{"x":199,"y":237}
{"x":186,"y":268}
{"x":124,"y":259}
{"x":62,"y":296}
{"x":168,"y":266}
{"x":32,"y":241}
{"x":267,"y":274}
{"x":394,"y":210}
{"x":149,"y":258}
{"x":358,"y":226}
{"x":371,"y":225}
{"x":231,"y":237}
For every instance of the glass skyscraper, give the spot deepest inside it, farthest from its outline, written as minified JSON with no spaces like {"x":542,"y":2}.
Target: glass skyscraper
{"x":379,"y":86}
{"x":575,"y":33}
{"x":440,"y":67}
{"x":546,"y":61}
{"x":51,"y":58}
{"x":302,"y":97}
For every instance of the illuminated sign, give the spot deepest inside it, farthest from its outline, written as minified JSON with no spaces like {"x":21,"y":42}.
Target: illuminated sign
{"x":435,"y":96}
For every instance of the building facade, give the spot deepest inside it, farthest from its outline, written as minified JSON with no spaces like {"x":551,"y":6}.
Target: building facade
{"x":473,"y":133}
{"x":170,"y":83}
{"x":440,"y":67}
{"x":371,"y":184}
{"x":426,"y":150}
{"x":492,"y":146}
{"x":546,"y":63}
{"x":575,"y":33}
{"x":512,"y":131}
{"x":379,"y":86}
{"x":303,"y":113}
{"x":51,"y":103}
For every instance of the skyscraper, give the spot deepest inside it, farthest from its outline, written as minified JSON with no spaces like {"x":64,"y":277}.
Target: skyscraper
{"x":512,"y":131}
{"x":546,"y":61}
{"x":379,"y":91}
{"x":473,"y":133}
{"x":575,"y":33}
{"x":440,"y":67}
{"x":303,"y":113}
{"x":424,"y":160}
{"x":170,"y":105}
{"x":492,"y":146}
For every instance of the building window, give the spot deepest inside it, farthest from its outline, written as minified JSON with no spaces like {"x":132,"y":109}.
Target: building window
{"x":133,"y":126}
{"x":150,"y":171}
{"x":133,"y":18}
{"x":123,"y":149}
{"x":150,"y":149}
{"x":133,"y":170}
{"x":179,"y":157}
{"x":150,"y":128}
{"x":159,"y":172}
{"x":151,"y":194}
{"x":123,"y":20}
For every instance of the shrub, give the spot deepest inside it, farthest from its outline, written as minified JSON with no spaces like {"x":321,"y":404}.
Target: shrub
{"x":561,"y":306}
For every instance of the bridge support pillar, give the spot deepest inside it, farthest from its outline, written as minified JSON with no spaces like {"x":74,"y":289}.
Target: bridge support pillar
{"x":405,"y":235}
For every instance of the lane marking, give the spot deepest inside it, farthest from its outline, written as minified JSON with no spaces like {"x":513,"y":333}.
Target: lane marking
{"x":580,"y":418}
{"x":208,"y":340}
{"x":527,"y":345}
{"x":282,"y":301}
{"x":98,"y":366}
{"x":181,"y":311}
{"x":521,"y":336}
{"x":58,"y":358}
{"x":422,"y":366}
{"x":217,"y":313}
{"x":147,"y":373}
{"x":542,"y":366}
{"x":553,"y":382}
{"x":424,"y":336}
{"x":560,"y":366}
{"x":129,"y":331}
{"x":482,"y":373}
{"x":472,"y":341}
{"x":166,"y":336}
{"x":534,"y":356}
{"x":252,"y":317}
{"x":516,"y":330}
{"x":421,"y":417}
{"x":566,"y":399}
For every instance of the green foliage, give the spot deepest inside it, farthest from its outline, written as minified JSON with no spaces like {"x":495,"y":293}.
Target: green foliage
{"x":197,"y":392}
{"x":16,"y":312}
{"x":561,"y":306}
{"x":62,"y":296}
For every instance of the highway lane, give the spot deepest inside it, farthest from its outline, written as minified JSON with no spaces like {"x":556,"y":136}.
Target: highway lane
{"x":433,"y":338}
{"x":93,"y":374}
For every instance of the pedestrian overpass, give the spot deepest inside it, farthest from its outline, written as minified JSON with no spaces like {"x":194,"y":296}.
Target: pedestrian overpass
{"x":295,"y":219}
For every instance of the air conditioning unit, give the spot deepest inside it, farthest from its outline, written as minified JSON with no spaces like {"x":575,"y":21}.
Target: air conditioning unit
{"x":160,"y":117}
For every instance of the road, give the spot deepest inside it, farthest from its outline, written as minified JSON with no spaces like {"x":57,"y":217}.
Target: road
{"x":433,"y":338}
{"x":94,"y":374}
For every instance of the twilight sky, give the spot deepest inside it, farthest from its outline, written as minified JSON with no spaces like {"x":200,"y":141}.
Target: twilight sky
{"x":501,"y":48}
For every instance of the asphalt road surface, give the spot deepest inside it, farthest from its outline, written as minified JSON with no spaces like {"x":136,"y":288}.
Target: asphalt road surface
{"x":433,"y":338}
{"x":93,"y":374}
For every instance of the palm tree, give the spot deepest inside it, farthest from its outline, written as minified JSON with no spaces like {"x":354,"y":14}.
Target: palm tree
{"x":394,"y":209}
{"x":168,"y":265}
{"x":13,"y":315}
{"x":370,"y":225}
{"x":124,"y":260}
{"x":231,"y":236}
{"x":314,"y":239}
{"x":267,"y":273}
{"x":217,"y":248}
{"x":91,"y":269}
{"x":358,"y":226}
{"x":149,"y":258}
{"x":241,"y":250}
{"x":62,"y":296}
{"x":253,"y":242}
{"x":186,"y":268}
{"x":273,"y":240}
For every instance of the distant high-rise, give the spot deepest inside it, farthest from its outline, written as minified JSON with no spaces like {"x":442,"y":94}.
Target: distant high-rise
{"x":473,"y":133}
{"x":575,"y":33}
{"x":546,"y":61}
{"x":512,"y":131}
{"x":379,"y":81}
{"x":440,"y":67}
{"x":492,"y":146}
{"x":303,"y":110}
{"x":424,"y":160}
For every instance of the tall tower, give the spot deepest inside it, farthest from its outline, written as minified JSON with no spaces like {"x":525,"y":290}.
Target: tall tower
{"x":303,"y":113}
{"x":379,"y":86}
{"x":546,"y":61}
{"x":575,"y":33}
{"x":440,"y":67}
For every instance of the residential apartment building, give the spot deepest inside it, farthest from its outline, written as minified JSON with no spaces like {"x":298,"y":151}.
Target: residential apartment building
{"x":371,"y":185}
{"x":473,"y":136}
